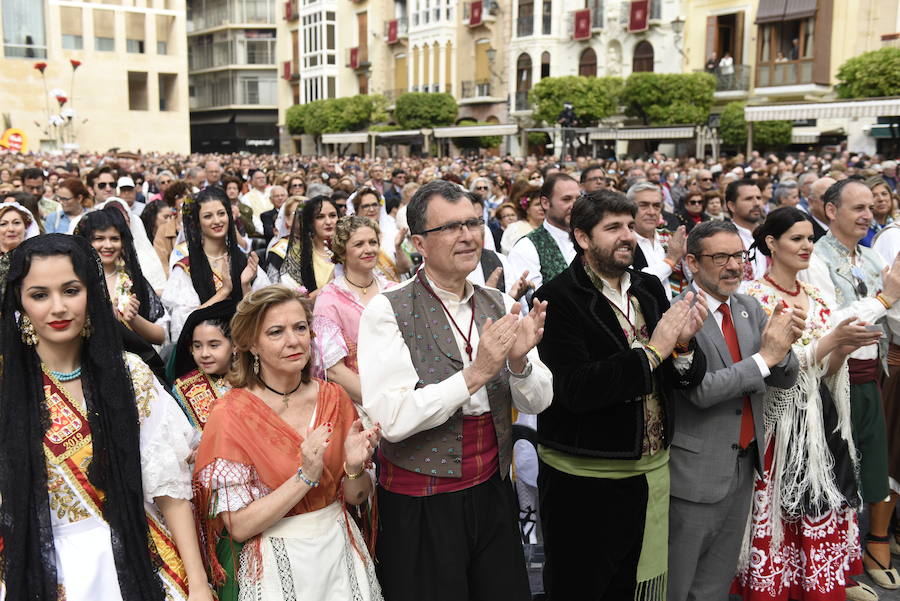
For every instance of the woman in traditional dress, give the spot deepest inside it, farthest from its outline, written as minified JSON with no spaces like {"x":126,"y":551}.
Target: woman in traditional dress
{"x":277,"y":250}
{"x":340,"y":304}
{"x":95,"y":485}
{"x":134,"y":301}
{"x":307,"y":264}
{"x":392,"y":261}
{"x":215,"y":268}
{"x":281,"y":454}
{"x":803,"y":539}
{"x":17,"y":224}
{"x":202,"y":360}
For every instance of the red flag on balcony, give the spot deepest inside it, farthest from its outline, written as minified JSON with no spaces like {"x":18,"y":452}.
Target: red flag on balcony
{"x":640,"y":12}
{"x":582,"y":28}
{"x":392,"y":32}
{"x":354,"y":57}
{"x":288,"y":11}
{"x":475,"y":10}
{"x":286,"y":70}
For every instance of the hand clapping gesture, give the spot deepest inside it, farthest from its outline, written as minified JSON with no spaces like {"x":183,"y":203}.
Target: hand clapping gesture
{"x":312,"y":450}
{"x":360,"y":444}
{"x":531,"y":329}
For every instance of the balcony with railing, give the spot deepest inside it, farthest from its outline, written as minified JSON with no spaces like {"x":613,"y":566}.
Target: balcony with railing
{"x":358,"y":57}
{"x":231,"y":52}
{"x":396,"y":30}
{"x":479,"y":88}
{"x":216,"y":13}
{"x":784,"y":73}
{"x":736,"y":81}
{"x":214,"y":90}
{"x":522,"y":102}
{"x":525,"y":26}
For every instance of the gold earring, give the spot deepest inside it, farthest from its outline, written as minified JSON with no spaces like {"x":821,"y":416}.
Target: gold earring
{"x":87,"y":329}
{"x":29,"y":336}
{"x":256,"y":364}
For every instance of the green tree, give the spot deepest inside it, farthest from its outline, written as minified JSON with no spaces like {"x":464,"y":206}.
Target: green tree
{"x":294,"y":119}
{"x":669,"y":98}
{"x":335,"y":115}
{"x":592,"y":98}
{"x":870,"y":75}
{"x":415,"y":110}
{"x":766,"y":134}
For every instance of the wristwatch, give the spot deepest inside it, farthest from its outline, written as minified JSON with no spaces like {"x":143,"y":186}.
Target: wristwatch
{"x":524,"y":373}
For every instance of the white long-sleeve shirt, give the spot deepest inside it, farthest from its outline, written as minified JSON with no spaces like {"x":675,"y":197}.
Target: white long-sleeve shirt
{"x":388,"y":377}
{"x":525,"y":256}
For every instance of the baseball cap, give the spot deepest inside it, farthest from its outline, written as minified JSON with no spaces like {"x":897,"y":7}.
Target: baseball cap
{"x":125,"y":182}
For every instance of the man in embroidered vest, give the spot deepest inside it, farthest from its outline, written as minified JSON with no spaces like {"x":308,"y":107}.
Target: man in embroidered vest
{"x":442,"y":363}
{"x":604,"y":479}
{"x":547,"y":250}
{"x":719,"y":438}
{"x":854,"y":280}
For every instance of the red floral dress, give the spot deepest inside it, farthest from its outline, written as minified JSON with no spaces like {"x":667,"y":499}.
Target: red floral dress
{"x":816,"y":555}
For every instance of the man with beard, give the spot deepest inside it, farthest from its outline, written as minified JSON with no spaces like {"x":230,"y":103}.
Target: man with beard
{"x":547,"y":250}
{"x":609,"y":341}
{"x":743,"y":200}
{"x":715,"y":449}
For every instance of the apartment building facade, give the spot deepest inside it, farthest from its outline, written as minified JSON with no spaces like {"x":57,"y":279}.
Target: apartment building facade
{"x":232,"y":73}
{"x":127,"y":86}
{"x":788,"y":52}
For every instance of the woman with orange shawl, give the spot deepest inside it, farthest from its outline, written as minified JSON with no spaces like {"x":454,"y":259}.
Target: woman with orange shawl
{"x":280,"y":455}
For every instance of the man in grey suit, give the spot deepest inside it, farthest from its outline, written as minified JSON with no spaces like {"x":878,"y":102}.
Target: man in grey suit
{"x":717,"y":424}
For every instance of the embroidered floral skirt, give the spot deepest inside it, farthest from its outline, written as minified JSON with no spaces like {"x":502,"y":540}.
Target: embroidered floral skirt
{"x":814,"y":561}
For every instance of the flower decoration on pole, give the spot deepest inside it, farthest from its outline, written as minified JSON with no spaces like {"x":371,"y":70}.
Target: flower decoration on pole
{"x":40,"y":67}
{"x":60,"y":126}
{"x":75,"y":64}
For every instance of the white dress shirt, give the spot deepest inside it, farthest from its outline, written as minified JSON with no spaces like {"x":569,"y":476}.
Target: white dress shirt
{"x":524,"y":255}
{"x":713,"y":305}
{"x":655,"y":254}
{"x":388,"y":377}
{"x":477,"y":275}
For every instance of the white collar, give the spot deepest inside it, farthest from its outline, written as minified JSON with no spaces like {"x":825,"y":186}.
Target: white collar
{"x":624,"y":284}
{"x":653,"y":240}
{"x":447,"y":296}
{"x":558,"y":234}
{"x":712,"y":303}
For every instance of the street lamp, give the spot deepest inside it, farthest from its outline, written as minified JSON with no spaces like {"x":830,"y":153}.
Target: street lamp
{"x":678,"y":30}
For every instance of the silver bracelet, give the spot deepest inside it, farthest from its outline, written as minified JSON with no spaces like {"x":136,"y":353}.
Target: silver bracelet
{"x":524,"y":373}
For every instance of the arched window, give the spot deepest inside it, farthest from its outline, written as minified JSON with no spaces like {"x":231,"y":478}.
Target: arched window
{"x":545,"y":65}
{"x":523,"y":73}
{"x":587,"y":63}
{"x":643,"y":57}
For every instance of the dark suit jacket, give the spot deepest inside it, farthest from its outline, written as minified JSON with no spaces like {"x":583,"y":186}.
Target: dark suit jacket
{"x":268,"y":220}
{"x":818,"y":230}
{"x":599,"y":381}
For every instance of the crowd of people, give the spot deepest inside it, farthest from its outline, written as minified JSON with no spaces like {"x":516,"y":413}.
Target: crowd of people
{"x":279,"y":377}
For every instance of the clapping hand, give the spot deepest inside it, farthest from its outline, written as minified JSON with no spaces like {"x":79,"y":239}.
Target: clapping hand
{"x":360,"y":444}
{"x":669,"y":327}
{"x":130,"y":312}
{"x":849,"y":336}
{"x":695,"y":317}
{"x":312,"y":450}
{"x":249,"y":272}
{"x":531,"y":329}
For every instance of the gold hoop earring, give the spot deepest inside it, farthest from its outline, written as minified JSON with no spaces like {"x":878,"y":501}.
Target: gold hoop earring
{"x":87,"y":329}
{"x":29,"y":336}
{"x":256,"y":364}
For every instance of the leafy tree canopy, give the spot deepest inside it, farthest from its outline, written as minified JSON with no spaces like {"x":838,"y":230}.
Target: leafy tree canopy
{"x":766,"y":134}
{"x":335,"y":115}
{"x":415,"y":110}
{"x":669,"y":98}
{"x":592,"y":98}
{"x":870,"y":75}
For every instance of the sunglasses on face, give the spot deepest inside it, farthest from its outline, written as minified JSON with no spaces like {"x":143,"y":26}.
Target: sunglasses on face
{"x":694,"y":202}
{"x":482,"y":188}
{"x":105,"y":185}
{"x":705,"y":179}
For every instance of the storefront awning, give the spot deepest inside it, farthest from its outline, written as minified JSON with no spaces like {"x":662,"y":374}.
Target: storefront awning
{"x":403,"y":133}
{"x":642,"y":133}
{"x":474,"y":131}
{"x":351,"y":137}
{"x":880,"y":107}
{"x":805,"y":137}
{"x":775,"y":11}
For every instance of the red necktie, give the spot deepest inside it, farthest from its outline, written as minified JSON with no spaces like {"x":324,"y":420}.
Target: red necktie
{"x":747,"y":429}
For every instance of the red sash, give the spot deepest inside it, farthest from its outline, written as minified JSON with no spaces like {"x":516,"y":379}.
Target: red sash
{"x":185,"y":263}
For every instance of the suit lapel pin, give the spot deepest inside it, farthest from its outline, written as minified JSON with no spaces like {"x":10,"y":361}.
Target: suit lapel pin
{"x":744,"y":314}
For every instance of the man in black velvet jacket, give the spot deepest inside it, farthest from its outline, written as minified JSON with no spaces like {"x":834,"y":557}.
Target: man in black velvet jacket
{"x":616,"y":350}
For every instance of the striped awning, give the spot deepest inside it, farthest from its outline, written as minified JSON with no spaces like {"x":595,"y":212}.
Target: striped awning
{"x":805,"y":137}
{"x":842,"y":109}
{"x":644,"y":133}
{"x":403,"y":133}
{"x":350,"y":137}
{"x":776,"y":11}
{"x":473,"y":131}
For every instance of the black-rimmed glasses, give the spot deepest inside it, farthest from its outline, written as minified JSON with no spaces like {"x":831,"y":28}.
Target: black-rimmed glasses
{"x":474,"y":225}
{"x":721,"y":259}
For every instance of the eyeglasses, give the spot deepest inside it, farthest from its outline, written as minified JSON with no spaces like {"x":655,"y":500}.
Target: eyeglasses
{"x":861,"y":289}
{"x":105,"y":185}
{"x":721,"y":259}
{"x":368,"y":207}
{"x":474,"y":225}
{"x":694,"y":202}
{"x":705,"y":179}
{"x":165,"y":182}
{"x":59,"y":198}
{"x":297,"y":185}
{"x":482,"y":188}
